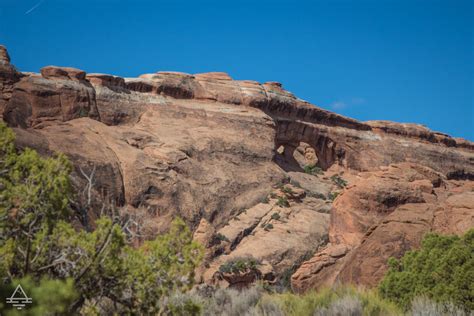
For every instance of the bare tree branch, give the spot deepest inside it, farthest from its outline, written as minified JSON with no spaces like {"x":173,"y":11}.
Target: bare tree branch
{"x":90,"y":183}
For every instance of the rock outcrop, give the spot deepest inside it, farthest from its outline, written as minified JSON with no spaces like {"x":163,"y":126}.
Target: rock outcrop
{"x":59,"y":94}
{"x":277,"y":232}
{"x":254,"y":170}
{"x":381,"y":215}
{"x":8,"y":77}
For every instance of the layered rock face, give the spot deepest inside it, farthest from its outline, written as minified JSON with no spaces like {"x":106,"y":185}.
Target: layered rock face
{"x":8,"y":77}
{"x":254,"y":170}
{"x":59,"y":94}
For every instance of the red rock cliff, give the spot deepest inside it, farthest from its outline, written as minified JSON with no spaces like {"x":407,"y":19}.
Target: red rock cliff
{"x":217,"y":151}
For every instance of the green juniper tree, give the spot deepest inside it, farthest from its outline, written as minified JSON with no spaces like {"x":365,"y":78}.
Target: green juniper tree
{"x":442,"y":270}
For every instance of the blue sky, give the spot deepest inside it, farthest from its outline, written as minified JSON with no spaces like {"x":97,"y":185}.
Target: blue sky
{"x":405,"y":61}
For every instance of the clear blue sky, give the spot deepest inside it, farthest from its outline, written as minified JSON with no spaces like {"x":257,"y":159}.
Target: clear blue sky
{"x":406,"y":61}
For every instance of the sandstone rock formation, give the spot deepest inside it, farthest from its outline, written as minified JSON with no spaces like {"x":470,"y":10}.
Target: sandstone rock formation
{"x":381,"y":215}
{"x":8,"y":77}
{"x":60,"y":94}
{"x":275,"y":233}
{"x":253,"y":169}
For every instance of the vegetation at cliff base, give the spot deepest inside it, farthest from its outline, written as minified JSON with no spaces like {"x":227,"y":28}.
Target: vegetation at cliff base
{"x":441,"y":270}
{"x":74,"y":269}
{"x":343,"y":300}
{"x":254,"y":301}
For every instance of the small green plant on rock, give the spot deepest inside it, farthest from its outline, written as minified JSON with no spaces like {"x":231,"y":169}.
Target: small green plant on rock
{"x":276,"y":216}
{"x":287,"y":190}
{"x":316,"y":195}
{"x":312,"y":169}
{"x":333,"y":195}
{"x":267,"y":227}
{"x":222,"y":237}
{"x":295,"y":183}
{"x":283,"y":202}
{"x":239,"y":264}
{"x":340,"y":182}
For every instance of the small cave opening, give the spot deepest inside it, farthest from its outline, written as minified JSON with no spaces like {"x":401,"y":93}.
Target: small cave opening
{"x":295,"y":155}
{"x":285,"y":159}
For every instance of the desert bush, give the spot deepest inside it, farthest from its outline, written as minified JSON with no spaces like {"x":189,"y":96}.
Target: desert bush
{"x":220,"y":237}
{"x":442,"y":270}
{"x":337,"y":300}
{"x":295,"y":183}
{"x":287,"y":190}
{"x":160,"y":267}
{"x":333,"y":195}
{"x":268,"y":226}
{"x":346,"y":305}
{"x":422,"y":306}
{"x":340,"y":182}
{"x":239,"y":264}
{"x":276,"y":216}
{"x":283,"y":202}
{"x":230,"y":302}
{"x":266,"y":307}
{"x":316,"y":195}
{"x":183,"y":304}
{"x":340,"y":301}
{"x":312,"y":169}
